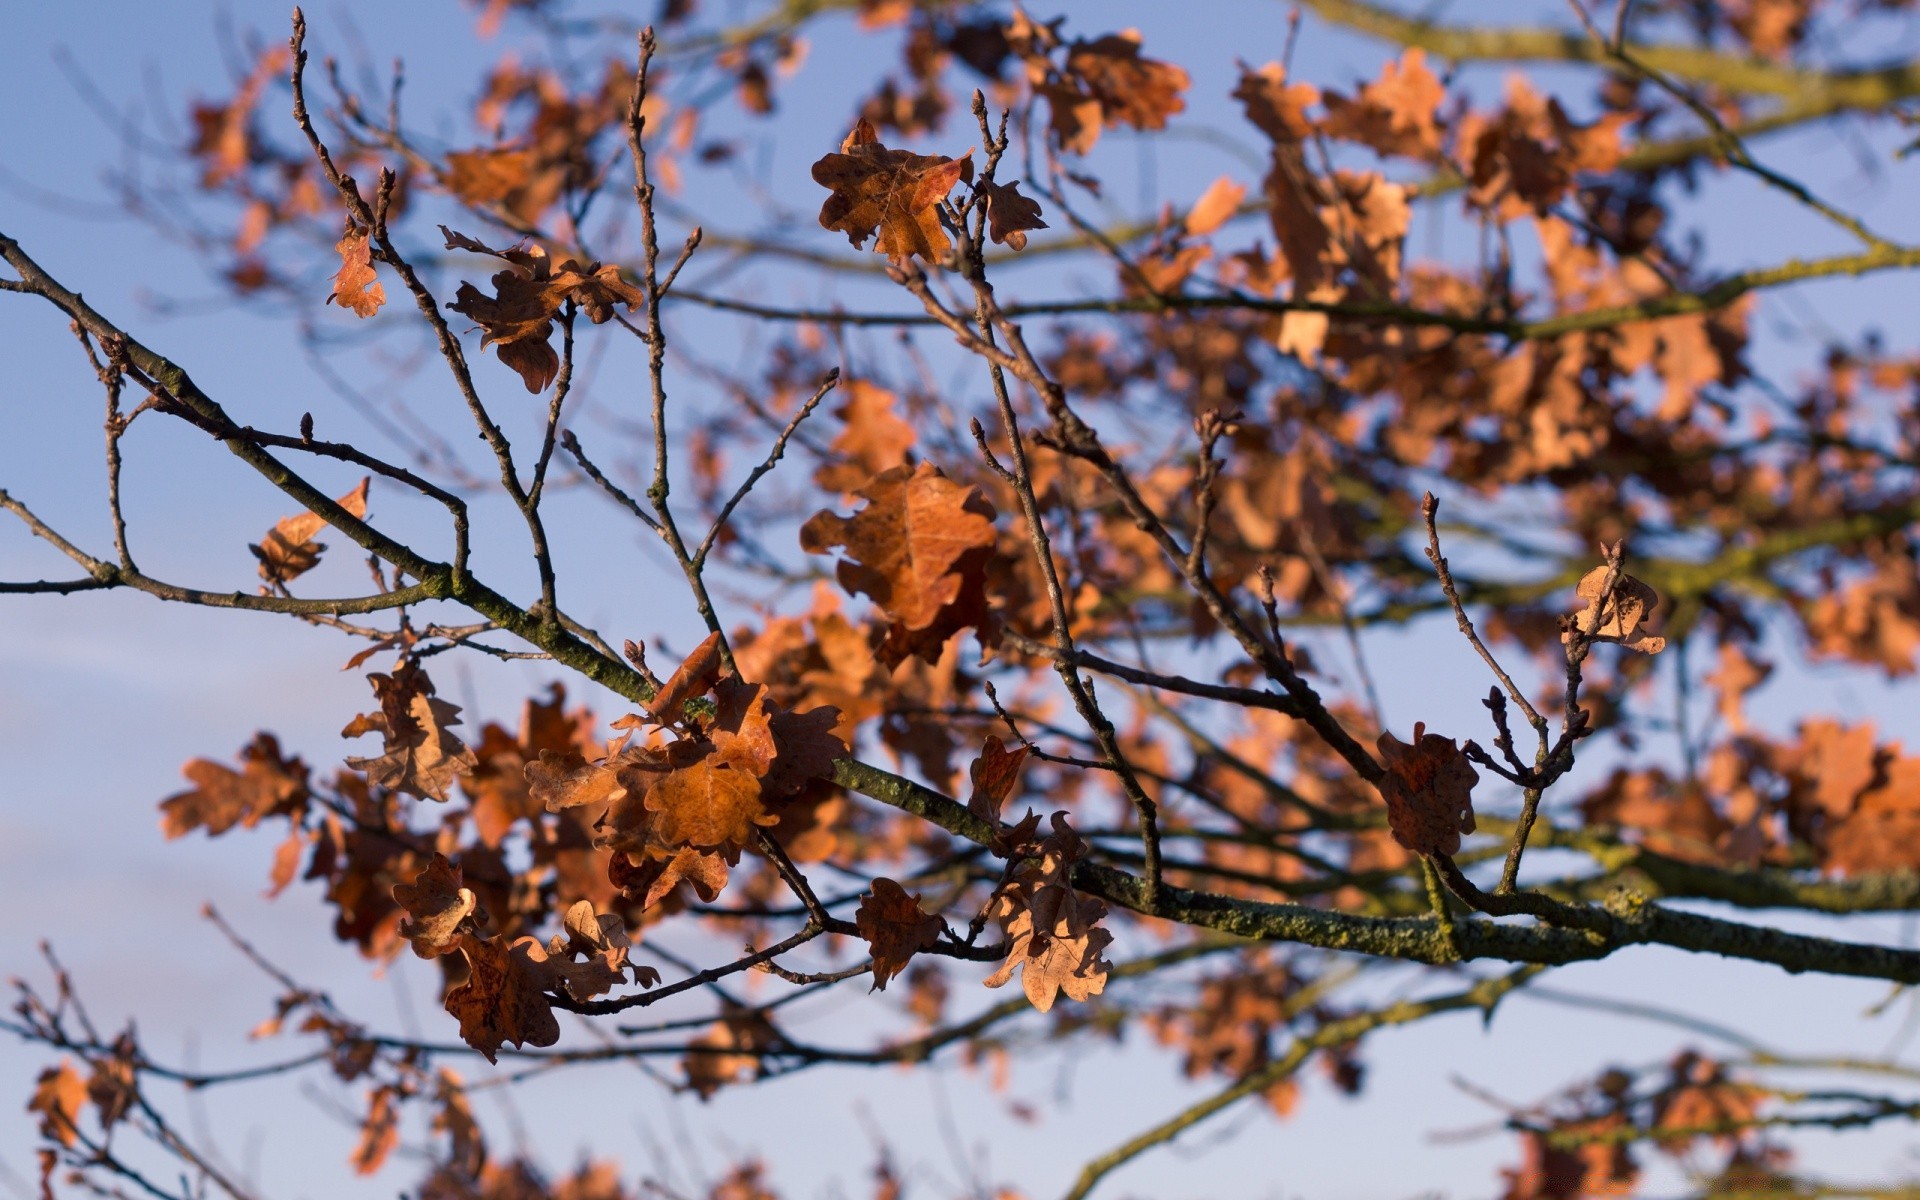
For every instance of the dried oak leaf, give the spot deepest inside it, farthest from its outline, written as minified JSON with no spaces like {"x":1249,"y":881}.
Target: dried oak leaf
{"x":488,"y":176}
{"x":652,"y":878}
{"x":564,"y":779}
{"x":727,"y":1051}
{"x":1010,"y":215}
{"x":503,"y":999}
{"x":379,"y":1131}
{"x":421,"y":756}
{"x":111,"y":1087}
{"x":1624,"y":618}
{"x":787,"y":750}
{"x":499,"y":793}
{"x":1215,"y":205}
{"x":355,"y":285}
{"x":266,"y":783}
{"x":1052,"y":931}
{"x":438,"y":908}
{"x":289,"y":551}
{"x":1699,"y":1098}
{"x":694,"y":677}
{"x":919,"y":549}
{"x":58,"y":1095}
{"x":895,"y":928}
{"x":1129,"y":89}
{"x":874,"y":438}
{"x":1428,"y":788}
{"x":711,"y":802}
{"x":1882,"y":833}
{"x":894,"y":192}
{"x":1395,"y":114}
{"x":994,"y":775}
{"x":1277,"y":108}
{"x":518,"y":317}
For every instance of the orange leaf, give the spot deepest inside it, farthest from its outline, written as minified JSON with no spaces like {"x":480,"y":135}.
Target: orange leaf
{"x":893,"y":192}
{"x":1010,"y":215}
{"x":289,"y":551}
{"x":920,"y":549}
{"x":355,"y":285}
{"x":1215,"y":205}
{"x":222,"y":797}
{"x":695,"y":677}
{"x":58,"y":1096}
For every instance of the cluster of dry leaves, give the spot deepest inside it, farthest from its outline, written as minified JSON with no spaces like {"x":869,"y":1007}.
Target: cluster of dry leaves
{"x":1292,"y":373}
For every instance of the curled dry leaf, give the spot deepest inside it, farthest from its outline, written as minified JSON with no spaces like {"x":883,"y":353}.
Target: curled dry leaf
{"x":895,"y":193}
{"x":995,"y":774}
{"x":438,"y":908}
{"x":1622,"y":619}
{"x":421,"y":756}
{"x":1428,"y":788}
{"x":1010,"y":215}
{"x":1052,"y":931}
{"x":289,"y":551}
{"x":379,"y":1131}
{"x":355,"y":285}
{"x":694,"y":677}
{"x":518,"y":317}
{"x":895,"y":928}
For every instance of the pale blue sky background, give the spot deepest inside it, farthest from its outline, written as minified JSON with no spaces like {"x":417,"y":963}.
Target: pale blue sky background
{"x":102,"y":697}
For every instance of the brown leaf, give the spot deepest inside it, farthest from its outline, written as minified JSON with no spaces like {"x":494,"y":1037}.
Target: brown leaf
{"x":919,"y":548}
{"x":895,"y":928}
{"x":518,"y":317}
{"x":1052,"y":931}
{"x":503,"y":998}
{"x":221,"y":797}
{"x":724,"y":1053}
{"x":1128,"y":88}
{"x":421,"y":756}
{"x":709,"y":803}
{"x":994,"y":775}
{"x":564,"y":779}
{"x":874,"y":438}
{"x":289,"y":551}
{"x":1428,"y":788}
{"x":355,"y":285}
{"x":893,"y":192}
{"x":112,"y":1087}
{"x":58,"y":1096}
{"x":482,"y":177}
{"x":438,"y":907}
{"x":1010,"y":215}
{"x":694,"y":677}
{"x":1622,"y":618}
{"x":1394,"y":115}
{"x":379,"y":1131}
{"x":653,"y":878}
{"x":1276,"y":107}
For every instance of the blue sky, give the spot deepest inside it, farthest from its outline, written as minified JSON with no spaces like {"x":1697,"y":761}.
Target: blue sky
{"x":102,"y":697}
